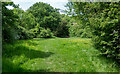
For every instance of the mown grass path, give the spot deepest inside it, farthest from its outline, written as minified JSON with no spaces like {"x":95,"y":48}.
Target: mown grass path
{"x":55,"y":55}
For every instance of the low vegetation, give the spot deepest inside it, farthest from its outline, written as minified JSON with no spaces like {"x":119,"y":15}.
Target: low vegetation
{"x":55,"y":55}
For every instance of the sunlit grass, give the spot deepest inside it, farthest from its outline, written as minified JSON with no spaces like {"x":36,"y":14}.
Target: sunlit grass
{"x":55,"y":55}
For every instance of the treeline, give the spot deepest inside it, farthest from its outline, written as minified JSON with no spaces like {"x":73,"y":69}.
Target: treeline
{"x":102,"y":19}
{"x":40,"y":21}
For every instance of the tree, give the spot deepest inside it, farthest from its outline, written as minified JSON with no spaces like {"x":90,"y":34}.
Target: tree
{"x":25,"y":24}
{"x":45,"y":15}
{"x":8,"y":22}
{"x":63,"y":29}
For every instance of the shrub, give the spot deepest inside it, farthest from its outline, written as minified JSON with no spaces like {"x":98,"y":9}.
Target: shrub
{"x":107,"y":38}
{"x":77,"y":30}
{"x":62,"y":29}
{"x":8,"y":22}
{"x":45,"y":33}
{"x":24,"y":33}
{"x":9,"y":35}
{"x":106,"y":31}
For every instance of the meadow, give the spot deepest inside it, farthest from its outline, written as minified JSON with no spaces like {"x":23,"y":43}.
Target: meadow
{"x":55,"y":55}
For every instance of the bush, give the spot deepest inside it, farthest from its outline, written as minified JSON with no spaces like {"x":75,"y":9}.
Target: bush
{"x":108,"y":38}
{"x":62,"y":29}
{"x":24,"y":33}
{"x":8,"y":23}
{"x":9,"y":35}
{"x":76,"y":30}
{"x":106,"y":31}
{"x":45,"y":33}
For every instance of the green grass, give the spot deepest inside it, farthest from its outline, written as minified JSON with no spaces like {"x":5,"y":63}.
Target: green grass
{"x":55,"y":55}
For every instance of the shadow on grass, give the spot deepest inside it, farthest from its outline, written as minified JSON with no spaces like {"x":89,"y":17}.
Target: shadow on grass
{"x":11,"y":51}
{"x":29,"y":53}
{"x":8,"y":66}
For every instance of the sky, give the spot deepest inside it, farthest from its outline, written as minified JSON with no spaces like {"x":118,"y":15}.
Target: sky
{"x":25,"y":4}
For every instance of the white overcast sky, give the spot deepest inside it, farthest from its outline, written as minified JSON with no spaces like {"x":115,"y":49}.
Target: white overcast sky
{"x":25,"y":4}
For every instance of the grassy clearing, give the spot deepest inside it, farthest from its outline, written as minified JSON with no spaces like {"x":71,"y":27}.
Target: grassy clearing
{"x":55,"y":55}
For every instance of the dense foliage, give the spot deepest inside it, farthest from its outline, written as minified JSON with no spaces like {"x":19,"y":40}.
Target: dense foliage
{"x":102,"y":19}
{"x":8,"y":23}
{"x":45,"y":15}
{"x":40,"y":20}
{"x":79,"y":29}
{"x":25,"y":24}
{"x":45,"y":33}
{"x":63,"y":28}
